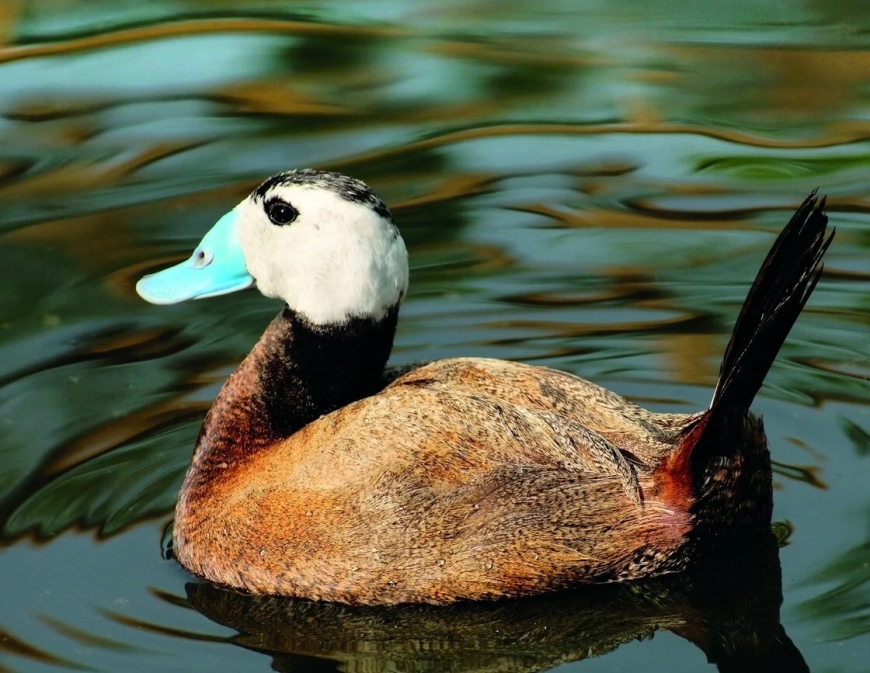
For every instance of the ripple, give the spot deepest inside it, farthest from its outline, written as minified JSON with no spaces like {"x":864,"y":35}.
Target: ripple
{"x":590,"y":191}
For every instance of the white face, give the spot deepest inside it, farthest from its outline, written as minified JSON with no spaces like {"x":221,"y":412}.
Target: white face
{"x":337,"y":259}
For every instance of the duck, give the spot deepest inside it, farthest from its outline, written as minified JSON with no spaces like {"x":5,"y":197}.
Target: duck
{"x":321,"y":473}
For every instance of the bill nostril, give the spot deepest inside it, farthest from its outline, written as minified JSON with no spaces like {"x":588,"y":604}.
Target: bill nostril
{"x":201,"y":258}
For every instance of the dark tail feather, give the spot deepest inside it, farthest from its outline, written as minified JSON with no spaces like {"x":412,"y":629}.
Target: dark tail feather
{"x":780,"y":290}
{"x":784,"y":283}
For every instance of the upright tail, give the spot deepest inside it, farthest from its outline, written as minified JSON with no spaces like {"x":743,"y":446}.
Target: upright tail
{"x":784,"y":283}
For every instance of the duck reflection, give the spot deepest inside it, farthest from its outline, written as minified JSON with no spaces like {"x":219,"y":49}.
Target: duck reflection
{"x":729,"y":608}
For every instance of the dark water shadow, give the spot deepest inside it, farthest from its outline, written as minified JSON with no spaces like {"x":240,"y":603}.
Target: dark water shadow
{"x":728,"y":608}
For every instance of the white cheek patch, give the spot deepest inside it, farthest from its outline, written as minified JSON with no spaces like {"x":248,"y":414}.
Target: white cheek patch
{"x":254,"y":239}
{"x":338,"y":260}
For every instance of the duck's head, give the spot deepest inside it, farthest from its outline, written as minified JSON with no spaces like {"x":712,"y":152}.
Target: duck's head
{"x":323,"y":242}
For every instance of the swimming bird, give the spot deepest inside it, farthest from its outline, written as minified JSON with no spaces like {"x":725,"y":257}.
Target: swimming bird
{"x":321,"y":473}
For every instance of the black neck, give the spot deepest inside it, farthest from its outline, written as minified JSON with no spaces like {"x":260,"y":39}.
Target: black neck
{"x":297,"y":372}
{"x":312,"y":370}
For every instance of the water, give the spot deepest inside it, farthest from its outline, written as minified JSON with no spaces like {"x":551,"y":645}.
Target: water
{"x":589,"y":186}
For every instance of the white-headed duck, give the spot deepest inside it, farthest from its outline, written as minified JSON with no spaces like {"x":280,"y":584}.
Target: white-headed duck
{"x":320,"y":473}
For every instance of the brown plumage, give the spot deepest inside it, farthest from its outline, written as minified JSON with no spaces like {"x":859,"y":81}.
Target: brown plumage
{"x":319,"y":475}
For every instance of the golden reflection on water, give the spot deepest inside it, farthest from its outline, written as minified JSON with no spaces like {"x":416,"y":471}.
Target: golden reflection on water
{"x":795,"y":84}
{"x":180,"y":28}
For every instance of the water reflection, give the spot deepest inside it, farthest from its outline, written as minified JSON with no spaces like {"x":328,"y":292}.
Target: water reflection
{"x":589,"y":186}
{"x":729,"y":610}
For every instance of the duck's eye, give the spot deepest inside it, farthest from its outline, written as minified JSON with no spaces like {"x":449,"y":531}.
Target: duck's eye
{"x":280,"y":212}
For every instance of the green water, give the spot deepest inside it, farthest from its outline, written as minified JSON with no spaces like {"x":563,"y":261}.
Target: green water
{"x":585,"y":185}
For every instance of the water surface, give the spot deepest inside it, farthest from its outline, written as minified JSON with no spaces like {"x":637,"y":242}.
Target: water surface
{"x":589,"y":186}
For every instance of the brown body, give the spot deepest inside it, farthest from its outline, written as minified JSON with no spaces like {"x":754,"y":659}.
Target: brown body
{"x":464,"y":478}
{"x":473,"y":478}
